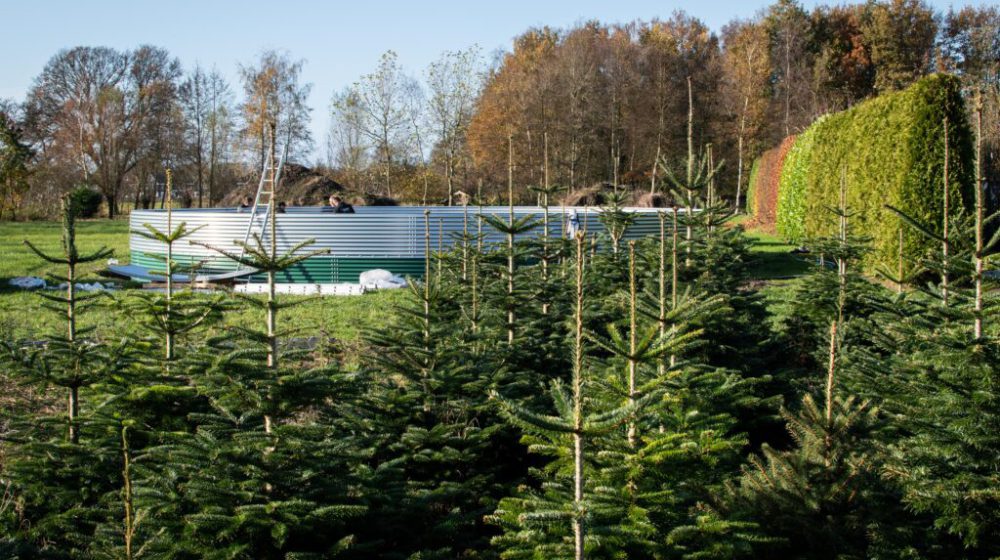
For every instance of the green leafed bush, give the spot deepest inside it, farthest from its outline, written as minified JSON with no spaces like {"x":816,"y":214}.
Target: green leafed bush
{"x":86,"y":201}
{"x":889,"y":151}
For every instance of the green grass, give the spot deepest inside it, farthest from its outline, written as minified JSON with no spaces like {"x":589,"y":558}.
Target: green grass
{"x":343,"y":318}
{"x":773,"y":258}
{"x":23,"y":316}
{"x":18,"y":260}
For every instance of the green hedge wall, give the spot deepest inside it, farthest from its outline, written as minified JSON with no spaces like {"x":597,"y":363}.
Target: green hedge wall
{"x":767,"y":175}
{"x":892,"y":149}
{"x":794,"y":185}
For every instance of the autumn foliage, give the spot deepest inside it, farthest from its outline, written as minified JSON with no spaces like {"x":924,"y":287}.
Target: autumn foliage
{"x":764,"y":179}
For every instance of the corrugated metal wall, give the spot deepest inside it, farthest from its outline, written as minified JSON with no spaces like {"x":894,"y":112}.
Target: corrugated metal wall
{"x":390,"y":237}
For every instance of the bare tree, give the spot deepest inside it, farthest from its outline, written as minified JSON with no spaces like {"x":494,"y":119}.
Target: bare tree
{"x":347,"y":144}
{"x":747,"y":67}
{"x":195,"y":101}
{"x":220,"y":129}
{"x":789,"y":27}
{"x":453,"y":82}
{"x":418,"y":140}
{"x":383,"y":97}
{"x":94,"y":104}
{"x":658,"y":66}
{"x":273,"y":93}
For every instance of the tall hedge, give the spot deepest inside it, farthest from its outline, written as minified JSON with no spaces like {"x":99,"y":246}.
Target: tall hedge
{"x":790,"y":219}
{"x":764,"y":177}
{"x":751,"y":199}
{"x":891,"y":150}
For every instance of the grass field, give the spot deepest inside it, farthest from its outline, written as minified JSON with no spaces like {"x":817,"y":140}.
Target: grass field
{"x":343,"y":318}
{"x":773,"y":258}
{"x":17,"y":260}
{"x":22,"y":314}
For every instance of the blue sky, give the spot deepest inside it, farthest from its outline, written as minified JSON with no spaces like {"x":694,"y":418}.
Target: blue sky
{"x":338,"y":40}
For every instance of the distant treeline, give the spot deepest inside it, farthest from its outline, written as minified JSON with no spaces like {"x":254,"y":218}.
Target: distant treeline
{"x":595,"y":103}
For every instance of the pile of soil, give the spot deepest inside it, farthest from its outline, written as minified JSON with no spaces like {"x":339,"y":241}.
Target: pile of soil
{"x":598,"y":195}
{"x":594,"y":195}
{"x":300,"y":186}
{"x":652,"y":200}
{"x":373,"y":200}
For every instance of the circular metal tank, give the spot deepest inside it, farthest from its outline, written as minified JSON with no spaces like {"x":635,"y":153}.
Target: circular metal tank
{"x":388,"y":237}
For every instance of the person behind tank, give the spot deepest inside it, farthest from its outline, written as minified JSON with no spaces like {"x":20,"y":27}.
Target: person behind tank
{"x":338,"y":206}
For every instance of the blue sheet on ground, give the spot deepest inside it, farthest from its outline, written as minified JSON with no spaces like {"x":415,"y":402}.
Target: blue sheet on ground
{"x":143,"y":274}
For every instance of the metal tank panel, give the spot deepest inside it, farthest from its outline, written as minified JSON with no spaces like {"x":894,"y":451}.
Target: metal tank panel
{"x":390,"y":237}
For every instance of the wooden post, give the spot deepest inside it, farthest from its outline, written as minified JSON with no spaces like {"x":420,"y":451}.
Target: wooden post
{"x":673,"y":280}
{"x":577,"y":381}
{"x":545,"y":220}
{"x":465,"y":240}
{"x":663,"y":284}
{"x":945,"y":244}
{"x":475,"y":272}
{"x":841,"y":261}
{"x":690,"y":174}
{"x":510,"y":240}
{"x":711,"y":190}
{"x":272,"y":298}
{"x":978,"y":307}
{"x":427,"y":278}
{"x":440,"y":251}
{"x":632,"y":363}
{"x":831,"y":367}
{"x":73,"y":406}
{"x":169,"y":350}
{"x":127,"y":495}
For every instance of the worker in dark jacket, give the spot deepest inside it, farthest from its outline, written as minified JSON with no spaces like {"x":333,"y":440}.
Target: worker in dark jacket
{"x":339,"y":206}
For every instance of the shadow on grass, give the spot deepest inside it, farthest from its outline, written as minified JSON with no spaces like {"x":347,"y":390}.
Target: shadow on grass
{"x":775,"y":265}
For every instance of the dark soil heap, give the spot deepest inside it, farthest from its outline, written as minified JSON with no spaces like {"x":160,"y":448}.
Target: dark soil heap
{"x":300,"y":186}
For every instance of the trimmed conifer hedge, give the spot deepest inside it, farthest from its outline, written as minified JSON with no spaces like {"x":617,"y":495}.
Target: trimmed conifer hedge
{"x":764,"y":178}
{"x":793,"y":185}
{"x":891,"y":152}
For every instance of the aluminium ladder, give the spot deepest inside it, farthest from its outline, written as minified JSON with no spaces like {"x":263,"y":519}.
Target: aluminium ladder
{"x":263,"y":204}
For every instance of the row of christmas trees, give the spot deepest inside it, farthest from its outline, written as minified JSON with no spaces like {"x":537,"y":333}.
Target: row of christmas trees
{"x":540,"y":398}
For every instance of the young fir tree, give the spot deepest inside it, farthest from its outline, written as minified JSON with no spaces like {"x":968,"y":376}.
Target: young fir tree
{"x":943,"y":386}
{"x":152,"y":398}
{"x":510,"y":286}
{"x":693,"y":435}
{"x":669,"y":456}
{"x":716,"y":256}
{"x":569,"y":516}
{"x":833,"y":290}
{"x":263,"y":473}
{"x":172,"y":314}
{"x":823,"y":497}
{"x":66,"y":363}
{"x":549,"y":249}
{"x":58,"y":468}
{"x":435,"y":463}
{"x":711,"y":259}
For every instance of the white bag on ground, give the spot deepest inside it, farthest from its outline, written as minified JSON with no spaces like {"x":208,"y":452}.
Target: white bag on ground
{"x":380,"y":279}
